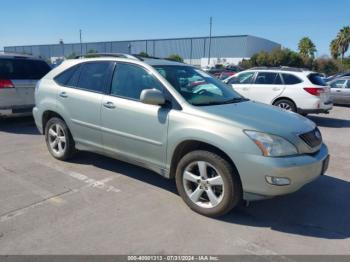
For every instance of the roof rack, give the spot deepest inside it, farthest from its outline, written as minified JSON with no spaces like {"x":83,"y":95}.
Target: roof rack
{"x":120,"y":55}
{"x":282,"y":68}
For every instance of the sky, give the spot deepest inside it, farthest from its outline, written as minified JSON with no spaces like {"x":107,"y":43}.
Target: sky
{"x":27,"y":22}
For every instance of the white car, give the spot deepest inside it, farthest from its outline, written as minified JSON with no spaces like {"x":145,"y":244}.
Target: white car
{"x":292,"y":89}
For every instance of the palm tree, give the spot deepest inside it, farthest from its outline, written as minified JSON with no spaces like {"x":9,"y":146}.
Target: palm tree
{"x":343,"y":39}
{"x":334,"y":47}
{"x":306,"y":47}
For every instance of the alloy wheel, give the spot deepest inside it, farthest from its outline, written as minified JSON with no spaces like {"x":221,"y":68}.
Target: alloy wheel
{"x":57,"y":139}
{"x":203,"y":184}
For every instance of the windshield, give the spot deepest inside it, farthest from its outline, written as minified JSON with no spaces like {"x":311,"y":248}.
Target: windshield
{"x":198,"y":87}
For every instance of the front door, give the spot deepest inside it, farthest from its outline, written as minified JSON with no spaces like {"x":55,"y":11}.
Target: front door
{"x":130,"y":128}
{"x":337,"y":90}
{"x":242,"y":83}
{"x":266,"y":87}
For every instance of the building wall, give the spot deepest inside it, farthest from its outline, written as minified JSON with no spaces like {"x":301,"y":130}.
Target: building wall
{"x":193,"y":50}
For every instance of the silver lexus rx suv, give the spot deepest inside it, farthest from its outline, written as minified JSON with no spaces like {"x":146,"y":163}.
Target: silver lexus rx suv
{"x":182,"y":123}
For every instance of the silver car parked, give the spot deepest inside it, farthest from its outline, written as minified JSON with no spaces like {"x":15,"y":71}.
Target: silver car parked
{"x":18,"y":77}
{"x":340,"y":90}
{"x":182,"y":123}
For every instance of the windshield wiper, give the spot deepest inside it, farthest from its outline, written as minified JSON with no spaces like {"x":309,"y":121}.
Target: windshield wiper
{"x":230,"y":101}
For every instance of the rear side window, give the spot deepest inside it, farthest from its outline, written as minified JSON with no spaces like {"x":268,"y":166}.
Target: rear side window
{"x":95,"y":76}
{"x":267,"y":78}
{"x":348,"y":84}
{"x":64,"y":77}
{"x":23,"y":69}
{"x":316,"y":79}
{"x":291,"y":79}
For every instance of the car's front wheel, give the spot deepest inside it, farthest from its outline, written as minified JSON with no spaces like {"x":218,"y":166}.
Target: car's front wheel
{"x":208,"y":183}
{"x":59,"y":140}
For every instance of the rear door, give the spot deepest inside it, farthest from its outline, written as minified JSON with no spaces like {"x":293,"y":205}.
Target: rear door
{"x":266,"y":87}
{"x":81,"y":99}
{"x":242,"y":83}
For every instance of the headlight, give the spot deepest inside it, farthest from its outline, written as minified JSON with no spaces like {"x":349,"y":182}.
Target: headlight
{"x":271,"y":145}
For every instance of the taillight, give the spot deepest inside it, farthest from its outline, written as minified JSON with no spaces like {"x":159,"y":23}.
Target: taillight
{"x":6,"y":83}
{"x":316,"y":91}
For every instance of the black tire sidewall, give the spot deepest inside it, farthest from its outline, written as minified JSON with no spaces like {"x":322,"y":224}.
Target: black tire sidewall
{"x":289,"y":102}
{"x":232,"y":186}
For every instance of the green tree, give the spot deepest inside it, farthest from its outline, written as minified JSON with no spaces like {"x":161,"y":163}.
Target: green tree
{"x":307,"y":48}
{"x":143,"y":54}
{"x":343,"y":40}
{"x":334,"y":48}
{"x":175,"y":57}
{"x":71,"y":56}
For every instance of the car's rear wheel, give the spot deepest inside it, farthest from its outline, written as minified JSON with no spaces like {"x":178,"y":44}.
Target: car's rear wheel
{"x":59,"y":140}
{"x":208,"y":183}
{"x":286,"y":105}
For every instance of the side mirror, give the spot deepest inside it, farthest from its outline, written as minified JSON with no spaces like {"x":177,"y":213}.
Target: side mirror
{"x":152,"y":97}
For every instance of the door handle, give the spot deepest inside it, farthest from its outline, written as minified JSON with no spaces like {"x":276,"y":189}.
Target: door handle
{"x":338,"y":91}
{"x":109,"y":105}
{"x":245,"y":88}
{"x":63,"y":94}
{"x":276,"y":89}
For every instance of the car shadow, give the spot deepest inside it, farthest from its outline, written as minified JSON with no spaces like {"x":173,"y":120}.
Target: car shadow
{"x":19,"y":125}
{"x":132,"y":171}
{"x":320,"y":209}
{"x":330,"y":122}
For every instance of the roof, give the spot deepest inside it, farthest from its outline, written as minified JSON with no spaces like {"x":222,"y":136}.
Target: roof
{"x":15,"y":55}
{"x":153,"y":61}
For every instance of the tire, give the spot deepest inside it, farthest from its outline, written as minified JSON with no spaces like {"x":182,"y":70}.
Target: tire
{"x":59,"y":140}
{"x":286,"y":104}
{"x":227,"y":191}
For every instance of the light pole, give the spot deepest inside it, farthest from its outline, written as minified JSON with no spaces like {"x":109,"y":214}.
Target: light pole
{"x":81,"y":42}
{"x":209,"y":47}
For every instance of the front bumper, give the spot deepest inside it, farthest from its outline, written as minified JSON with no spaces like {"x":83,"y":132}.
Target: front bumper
{"x":300,"y":170}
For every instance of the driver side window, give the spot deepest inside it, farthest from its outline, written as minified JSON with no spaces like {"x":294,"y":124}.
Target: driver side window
{"x":130,"y":80}
{"x":338,"y":84}
{"x":244,"y":78}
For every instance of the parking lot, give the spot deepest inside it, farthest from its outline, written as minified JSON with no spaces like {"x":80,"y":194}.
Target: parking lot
{"x":97,"y":205}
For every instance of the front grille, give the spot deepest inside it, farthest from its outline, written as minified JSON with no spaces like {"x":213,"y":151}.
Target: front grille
{"x":312,"y":138}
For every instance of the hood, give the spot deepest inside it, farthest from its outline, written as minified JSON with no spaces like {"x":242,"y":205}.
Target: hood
{"x":260,"y":117}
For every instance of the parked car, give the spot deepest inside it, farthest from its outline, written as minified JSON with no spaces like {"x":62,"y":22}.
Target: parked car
{"x":222,"y":72}
{"x":220,"y":147}
{"x":18,"y":77}
{"x":331,"y":78}
{"x":340,"y":90}
{"x":292,"y":89}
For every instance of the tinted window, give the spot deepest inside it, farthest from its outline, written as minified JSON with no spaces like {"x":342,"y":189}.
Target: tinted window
{"x":266,"y":78}
{"x":348,"y":84}
{"x":337,"y":84}
{"x":291,"y":79}
{"x":23,"y":69}
{"x":316,"y":79}
{"x":94,"y":76}
{"x":244,"y":78}
{"x":129,"y":81}
{"x":64,"y":77}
